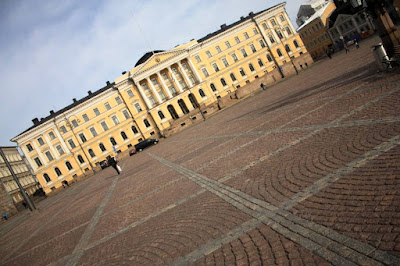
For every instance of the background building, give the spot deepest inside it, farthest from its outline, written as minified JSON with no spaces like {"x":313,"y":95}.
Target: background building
{"x":24,"y":175}
{"x":308,"y":9}
{"x":347,"y":23}
{"x":314,"y":33}
{"x":165,"y":92}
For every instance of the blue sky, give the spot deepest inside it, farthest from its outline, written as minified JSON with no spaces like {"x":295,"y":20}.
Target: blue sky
{"x":54,"y":51}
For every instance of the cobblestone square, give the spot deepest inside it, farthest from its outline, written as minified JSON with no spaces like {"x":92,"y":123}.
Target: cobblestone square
{"x":304,"y":173}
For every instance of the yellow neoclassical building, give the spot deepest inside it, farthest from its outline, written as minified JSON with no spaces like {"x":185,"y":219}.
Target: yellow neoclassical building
{"x":165,"y":92}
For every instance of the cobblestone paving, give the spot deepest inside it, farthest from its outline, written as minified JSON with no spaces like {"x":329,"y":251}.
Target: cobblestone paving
{"x":305,"y":173}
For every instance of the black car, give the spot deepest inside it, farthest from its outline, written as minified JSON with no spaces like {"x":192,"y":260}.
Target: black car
{"x":145,"y":143}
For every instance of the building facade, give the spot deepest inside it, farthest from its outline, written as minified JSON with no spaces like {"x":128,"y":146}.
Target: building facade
{"x":314,"y":33}
{"x":347,"y":23}
{"x":165,"y":92}
{"x":24,"y":175}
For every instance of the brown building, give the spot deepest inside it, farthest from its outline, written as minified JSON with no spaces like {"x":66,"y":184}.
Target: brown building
{"x":314,"y":31}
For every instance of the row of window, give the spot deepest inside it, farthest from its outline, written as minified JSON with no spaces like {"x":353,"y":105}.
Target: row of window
{"x":81,"y":135}
{"x":91,"y":153}
{"x":246,"y":35}
{"x":234,"y":57}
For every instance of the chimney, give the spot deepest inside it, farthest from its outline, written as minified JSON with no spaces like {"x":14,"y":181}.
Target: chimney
{"x":108,"y":83}
{"x":89,"y":92}
{"x":251,"y":14}
{"x":241,"y":18}
{"x":51,"y":112}
{"x":223,"y":26}
{"x":74,"y":100}
{"x":123,"y":73}
{"x":35,"y":121}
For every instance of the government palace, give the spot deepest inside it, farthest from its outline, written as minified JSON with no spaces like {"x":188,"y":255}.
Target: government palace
{"x":165,"y":92}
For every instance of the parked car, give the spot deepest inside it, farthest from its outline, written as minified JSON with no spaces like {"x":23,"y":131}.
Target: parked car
{"x":145,"y":143}
{"x":104,"y":164}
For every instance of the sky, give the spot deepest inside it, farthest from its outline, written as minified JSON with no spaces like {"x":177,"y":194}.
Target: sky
{"x":54,"y":51}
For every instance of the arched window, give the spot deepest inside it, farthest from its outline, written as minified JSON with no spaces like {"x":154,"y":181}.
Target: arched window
{"x":161,"y":115}
{"x":223,"y":82}
{"x":146,"y":122}
{"x":193,"y":100}
{"x":113,"y":142}
{"x":183,"y":107}
{"x":58,"y":172}
{"x":172,"y":112}
{"x":213,"y":87}
{"x":91,"y":153}
{"x":296,"y":44}
{"x":251,"y":67}
{"x":287,"y":48}
{"x":233,"y":78}
{"x":278,"y":51}
{"x":102,"y":147}
{"x":134,"y":130}
{"x":260,"y":63}
{"x":201,"y":92}
{"x":80,"y":159}
{"x":46,"y":178}
{"x":68,"y":165}
{"x":269,"y":58}
{"x":123,"y":135}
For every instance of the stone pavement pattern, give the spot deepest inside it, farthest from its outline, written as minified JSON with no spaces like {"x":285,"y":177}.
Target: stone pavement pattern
{"x":305,"y":173}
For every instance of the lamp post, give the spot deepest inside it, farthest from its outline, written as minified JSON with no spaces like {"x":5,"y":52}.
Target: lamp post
{"x":71,"y":126}
{"x":387,"y":31}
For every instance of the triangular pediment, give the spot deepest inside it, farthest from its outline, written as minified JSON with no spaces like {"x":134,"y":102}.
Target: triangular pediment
{"x":156,"y":59}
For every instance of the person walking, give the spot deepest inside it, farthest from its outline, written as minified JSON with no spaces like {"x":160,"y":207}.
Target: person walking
{"x":114,"y":163}
{"x":356,"y":43}
{"x":346,"y":48}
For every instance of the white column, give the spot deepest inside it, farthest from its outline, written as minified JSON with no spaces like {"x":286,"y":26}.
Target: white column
{"x":355,"y":24}
{"x":289,"y":22}
{"x":63,"y":144}
{"x":39,"y":153}
{"x":175,"y":79}
{"x":185,"y":75}
{"x":155,"y":92}
{"x":28,"y":158}
{"x":164,"y":85}
{"x":55,"y":153}
{"x":143,"y":94}
{"x":193,"y":68}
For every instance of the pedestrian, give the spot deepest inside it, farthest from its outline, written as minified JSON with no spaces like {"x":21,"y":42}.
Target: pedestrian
{"x":114,"y":163}
{"x":263,"y":87}
{"x":25,"y":205}
{"x":356,"y":43}
{"x":329,"y":54}
{"x":346,"y":48}
{"x":301,"y":66}
{"x":5,"y":216}
{"x":306,"y":65}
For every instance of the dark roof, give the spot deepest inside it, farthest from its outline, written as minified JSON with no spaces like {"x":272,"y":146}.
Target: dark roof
{"x":227,"y":27}
{"x":74,"y":104}
{"x":147,"y":56}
